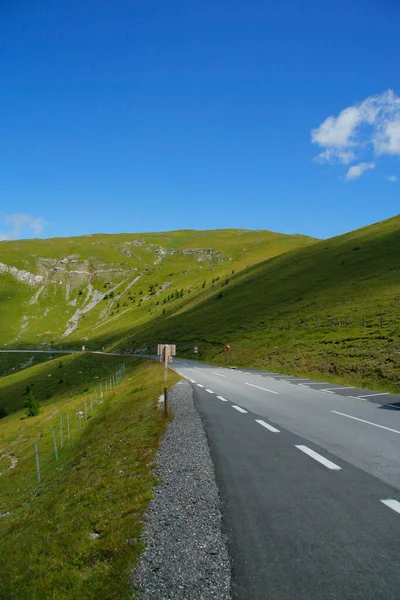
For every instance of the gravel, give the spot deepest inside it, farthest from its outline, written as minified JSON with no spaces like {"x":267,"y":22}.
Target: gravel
{"x":186,"y":557}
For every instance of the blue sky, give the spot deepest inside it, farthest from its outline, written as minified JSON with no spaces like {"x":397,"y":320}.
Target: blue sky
{"x":151,"y":115}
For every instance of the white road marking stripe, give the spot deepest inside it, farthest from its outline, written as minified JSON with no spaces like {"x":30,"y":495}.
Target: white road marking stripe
{"x":357,"y":398}
{"x":327,"y":391}
{"x":268,"y":426}
{"x":368,"y":422}
{"x":219,"y":374}
{"x":393,"y":504}
{"x":324,"y":461}
{"x":393,"y":406}
{"x":209,"y":391}
{"x":199,"y":384}
{"x":239,"y":408}
{"x":222,"y":398}
{"x":368,"y":395}
{"x":349,"y":387}
{"x":192,"y":380}
{"x":260,"y":388}
{"x":315,"y":383}
{"x":186,"y":365}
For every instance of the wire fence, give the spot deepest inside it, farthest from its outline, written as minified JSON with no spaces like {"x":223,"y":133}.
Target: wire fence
{"x":66,"y":425}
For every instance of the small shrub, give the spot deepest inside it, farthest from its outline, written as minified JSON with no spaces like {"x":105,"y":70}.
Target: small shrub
{"x":3,"y":412}
{"x":31,"y":404}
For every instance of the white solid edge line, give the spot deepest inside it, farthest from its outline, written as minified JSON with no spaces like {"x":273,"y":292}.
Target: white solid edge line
{"x":268,"y":426}
{"x":393,"y":504}
{"x":222,"y":398}
{"x":199,"y":384}
{"x":363,"y":421}
{"x":368,"y":395}
{"x":239,"y":408}
{"x":260,"y":388}
{"x":321,"y":459}
{"x":209,"y":391}
{"x":219,"y":374}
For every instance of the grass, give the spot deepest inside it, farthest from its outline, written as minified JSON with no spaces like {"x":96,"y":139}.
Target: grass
{"x":10,"y":363}
{"x":121,"y":268}
{"x":270,"y":313}
{"x":76,"y":534}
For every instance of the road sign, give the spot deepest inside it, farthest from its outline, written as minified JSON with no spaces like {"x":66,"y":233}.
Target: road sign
{"x":196,"y":349}
{"x":227,"y":348}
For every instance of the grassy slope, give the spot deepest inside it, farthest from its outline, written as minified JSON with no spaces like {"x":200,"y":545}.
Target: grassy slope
{"x":105,"y":262}
{"x":351,"y":276}
{"x":101,"y":484}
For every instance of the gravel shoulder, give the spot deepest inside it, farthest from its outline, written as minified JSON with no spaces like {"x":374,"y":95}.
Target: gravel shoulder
{"x":186,"y":557}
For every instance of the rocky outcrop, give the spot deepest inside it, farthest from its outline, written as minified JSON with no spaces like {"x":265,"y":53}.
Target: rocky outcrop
{"x":21,"y":275}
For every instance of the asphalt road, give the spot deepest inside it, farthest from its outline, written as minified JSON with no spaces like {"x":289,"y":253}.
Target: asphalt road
{"x":309,"y":479}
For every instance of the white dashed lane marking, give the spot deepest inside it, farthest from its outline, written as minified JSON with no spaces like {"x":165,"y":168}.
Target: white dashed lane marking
{"x":268,"y":426}
{"x":239,"y":408}
{"x":393,"y":504}
{"x":318,"y":457}
{"x":260,"y":388}
{"x":367,"y":422}
{"x":209,"y":391}
{"x":219,"y":374}
{"x":222,"y":398}
{"x":199,"y":385}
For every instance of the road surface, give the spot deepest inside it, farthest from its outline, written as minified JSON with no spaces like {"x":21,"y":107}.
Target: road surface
{"x":309,"y":479}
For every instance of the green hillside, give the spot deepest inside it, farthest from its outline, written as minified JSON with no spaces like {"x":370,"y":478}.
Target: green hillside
{"x":314,"y":310}
{"x":289,"y":303}
{"x":76,"y":533}
{"x":66,"y":291}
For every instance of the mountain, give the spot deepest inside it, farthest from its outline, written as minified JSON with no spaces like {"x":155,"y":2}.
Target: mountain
{"x":329,"y":309}
{"x":94,"y":288}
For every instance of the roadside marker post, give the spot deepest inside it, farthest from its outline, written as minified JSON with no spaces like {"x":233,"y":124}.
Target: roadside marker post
{"x":61,"y":431}
{"x":166,"y":352}
{"x":227,"y":351}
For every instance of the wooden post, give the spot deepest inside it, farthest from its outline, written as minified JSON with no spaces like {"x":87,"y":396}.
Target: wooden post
{"x":61,"y":431}
{"x":165,"y":400}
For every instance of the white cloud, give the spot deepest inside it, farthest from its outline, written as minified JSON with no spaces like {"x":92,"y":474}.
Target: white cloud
{"x":392,"y":178}
{"x":357,"y":170}
{"x":21,"y":224}
{"x":372,"y":125}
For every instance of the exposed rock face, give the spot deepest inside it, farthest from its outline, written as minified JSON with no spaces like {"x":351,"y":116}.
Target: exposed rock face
{"x":21,"y":275}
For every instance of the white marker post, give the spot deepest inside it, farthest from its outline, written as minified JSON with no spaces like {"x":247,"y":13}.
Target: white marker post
{"x":61,"y":431}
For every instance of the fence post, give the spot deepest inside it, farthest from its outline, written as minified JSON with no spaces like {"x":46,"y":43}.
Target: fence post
{"x":165,"y":401}
{"x":85,"y":411}
{"x":79,"y":419}
{"x":101,"y":391}
{"x":68,"y":432}
{"x":54,"y":440}
{"x":111,"y":387}
{"x":61,"y":431}
{"x":91,"y":404}
{"x":37,"y":461}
